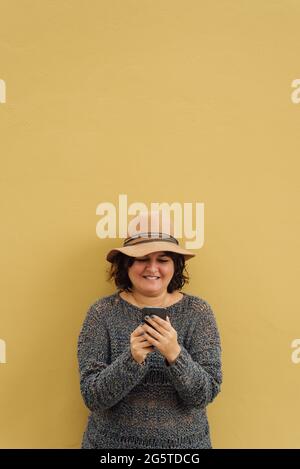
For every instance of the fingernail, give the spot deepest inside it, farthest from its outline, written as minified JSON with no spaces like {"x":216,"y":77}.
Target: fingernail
{"x":147,"y":317}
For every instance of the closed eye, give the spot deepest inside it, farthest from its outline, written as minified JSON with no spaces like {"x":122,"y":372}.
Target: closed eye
{"x":160,"y":260}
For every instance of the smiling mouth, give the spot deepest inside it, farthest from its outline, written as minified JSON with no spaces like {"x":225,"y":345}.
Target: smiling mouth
{"x":150,"y":277}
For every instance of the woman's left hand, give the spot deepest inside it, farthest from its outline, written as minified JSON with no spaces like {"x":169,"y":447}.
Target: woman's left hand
{"x":164,"y":338}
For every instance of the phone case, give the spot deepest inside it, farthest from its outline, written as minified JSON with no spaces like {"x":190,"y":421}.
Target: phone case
{"x":148,"y":310}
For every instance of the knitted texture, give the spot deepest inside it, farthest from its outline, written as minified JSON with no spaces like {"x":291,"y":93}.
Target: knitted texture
{"x":155,"y":404}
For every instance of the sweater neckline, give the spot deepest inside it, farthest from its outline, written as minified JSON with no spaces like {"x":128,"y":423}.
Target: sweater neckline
{"x":168,"y":308}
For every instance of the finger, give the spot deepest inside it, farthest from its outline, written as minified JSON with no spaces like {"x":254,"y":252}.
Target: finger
{"x":149,"y":349}
{"x":140,"y":339}
{"x":151,"y":339}
{"x":159,"y":324}
{"x":142,"y":342}
{"x":151,"y":331}
{"x":162,"y":322}
{"x":147,"y":345}
{"x":138,"y":331}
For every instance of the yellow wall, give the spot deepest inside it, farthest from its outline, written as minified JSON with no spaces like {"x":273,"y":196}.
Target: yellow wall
{"x":163,"y":101}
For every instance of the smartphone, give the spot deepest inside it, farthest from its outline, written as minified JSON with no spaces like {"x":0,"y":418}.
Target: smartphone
{"x":148,"y":310}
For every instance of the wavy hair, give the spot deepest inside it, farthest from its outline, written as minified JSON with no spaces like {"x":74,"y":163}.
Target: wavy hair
{"x":119,"y":272}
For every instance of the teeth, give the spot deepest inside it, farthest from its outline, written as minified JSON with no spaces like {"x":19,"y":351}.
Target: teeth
{"x":148,"y":276}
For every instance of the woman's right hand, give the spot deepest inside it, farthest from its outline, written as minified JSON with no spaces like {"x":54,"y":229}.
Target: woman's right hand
{"x":139,"y":346}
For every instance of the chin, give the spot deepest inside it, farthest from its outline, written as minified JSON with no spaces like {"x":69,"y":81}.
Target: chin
{"x":151,"y":292}
{"x":151,"y":289}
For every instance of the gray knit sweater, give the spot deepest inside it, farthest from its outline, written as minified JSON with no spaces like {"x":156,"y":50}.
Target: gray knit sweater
{"x":151,"y":405}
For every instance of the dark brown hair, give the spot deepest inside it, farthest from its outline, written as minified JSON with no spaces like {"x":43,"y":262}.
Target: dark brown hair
{"x":119,"y":271}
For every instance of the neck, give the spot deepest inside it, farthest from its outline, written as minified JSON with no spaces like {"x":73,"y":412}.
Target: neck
{"x":161,"y":299}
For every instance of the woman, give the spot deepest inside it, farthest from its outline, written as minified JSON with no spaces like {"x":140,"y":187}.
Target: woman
{"x":148,"y":387}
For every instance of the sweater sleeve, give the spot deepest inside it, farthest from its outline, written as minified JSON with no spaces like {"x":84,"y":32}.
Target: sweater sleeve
{"x":104,"y":384}
{"x":196,"y":373}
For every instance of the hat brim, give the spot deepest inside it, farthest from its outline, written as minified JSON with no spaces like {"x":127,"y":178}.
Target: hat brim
{"x":139,"y":250}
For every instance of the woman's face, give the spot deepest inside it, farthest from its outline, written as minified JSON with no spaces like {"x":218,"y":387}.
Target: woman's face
{"x":157,"y":265}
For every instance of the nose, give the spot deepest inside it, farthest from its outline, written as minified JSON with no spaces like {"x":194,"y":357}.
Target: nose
{"x":151,"y":267}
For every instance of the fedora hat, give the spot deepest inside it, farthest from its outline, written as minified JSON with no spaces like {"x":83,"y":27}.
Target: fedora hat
{"x":152,"y":236}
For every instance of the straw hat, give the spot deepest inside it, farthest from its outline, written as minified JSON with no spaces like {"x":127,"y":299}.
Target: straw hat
{"x":152,"y":236}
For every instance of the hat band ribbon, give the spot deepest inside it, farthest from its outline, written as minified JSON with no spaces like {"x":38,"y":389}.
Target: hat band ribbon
{"x":157,"y":237}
